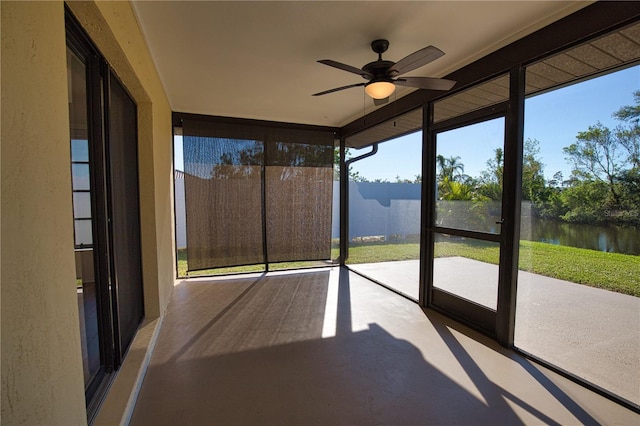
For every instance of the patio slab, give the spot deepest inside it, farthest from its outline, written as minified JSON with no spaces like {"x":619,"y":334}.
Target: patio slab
{"x":591,"y":332}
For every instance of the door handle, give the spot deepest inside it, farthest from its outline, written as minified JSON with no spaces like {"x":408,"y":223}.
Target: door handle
{"x":500,"y":222}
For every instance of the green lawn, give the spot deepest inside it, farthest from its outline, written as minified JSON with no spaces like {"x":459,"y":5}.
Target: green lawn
{"x":182,"y":266}
{"x":611,"y":271}
{"x":381,"y":252}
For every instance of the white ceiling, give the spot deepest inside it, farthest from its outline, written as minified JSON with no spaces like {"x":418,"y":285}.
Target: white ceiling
{"x":258,"y":59}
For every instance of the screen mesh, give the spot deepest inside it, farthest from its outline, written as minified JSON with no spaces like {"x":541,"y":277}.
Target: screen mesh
{"x":299,"y":185}
{"x":223,"y":201}
{"x":125,"y":212}
{"x":237,"y":175}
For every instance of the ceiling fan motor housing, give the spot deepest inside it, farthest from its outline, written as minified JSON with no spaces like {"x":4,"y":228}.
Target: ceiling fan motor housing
{"x":378,"y":70}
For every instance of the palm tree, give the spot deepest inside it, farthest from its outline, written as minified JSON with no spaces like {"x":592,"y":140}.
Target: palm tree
{"x":455,"y":191}
{"x":450,"y":168}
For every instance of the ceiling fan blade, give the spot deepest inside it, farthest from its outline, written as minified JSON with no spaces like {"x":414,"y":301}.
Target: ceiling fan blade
{"x":337,"y":89}
{"x":415,"y":60}
{"x":378,"y":102}
{"x":429,"y":83}
{"x":345,"y":67}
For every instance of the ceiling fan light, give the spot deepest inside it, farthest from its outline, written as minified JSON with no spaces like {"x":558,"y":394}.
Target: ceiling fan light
{"x":380,"y":89}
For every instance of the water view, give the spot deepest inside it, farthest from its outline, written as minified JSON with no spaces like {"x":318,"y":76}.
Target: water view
{"x":625,"y":240}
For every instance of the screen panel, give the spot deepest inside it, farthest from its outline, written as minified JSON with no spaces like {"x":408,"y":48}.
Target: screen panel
{"x":125,"y":211}
{"x":299,"y":193}
{"x":256,"y":194}
{"x":223,"y":198}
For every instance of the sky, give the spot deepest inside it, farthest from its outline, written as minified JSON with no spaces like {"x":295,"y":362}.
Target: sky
{"x":553,"y":118}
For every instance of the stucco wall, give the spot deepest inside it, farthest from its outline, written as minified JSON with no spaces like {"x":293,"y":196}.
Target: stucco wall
{"x":42,"y":379}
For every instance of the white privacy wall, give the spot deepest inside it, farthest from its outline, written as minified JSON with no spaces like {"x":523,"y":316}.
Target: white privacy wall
{"x":390,"y":210}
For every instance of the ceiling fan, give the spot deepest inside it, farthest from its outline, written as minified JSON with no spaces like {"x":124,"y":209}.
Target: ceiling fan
{"x":383,"y":75}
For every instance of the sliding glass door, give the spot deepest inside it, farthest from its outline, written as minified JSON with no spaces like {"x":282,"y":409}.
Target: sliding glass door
{"x":104,"y":169}
{"x":89,"y":235}
{"x":124,"y":214}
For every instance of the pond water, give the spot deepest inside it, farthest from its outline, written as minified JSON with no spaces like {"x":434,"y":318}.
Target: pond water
{"x":611,"y":239}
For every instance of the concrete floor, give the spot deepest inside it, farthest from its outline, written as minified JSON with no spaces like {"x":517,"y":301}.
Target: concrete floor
{"x":328,"y":347}
{"x":587,"y":331}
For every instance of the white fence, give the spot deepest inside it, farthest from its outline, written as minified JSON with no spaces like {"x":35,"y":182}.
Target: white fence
{"x":389,"y":210}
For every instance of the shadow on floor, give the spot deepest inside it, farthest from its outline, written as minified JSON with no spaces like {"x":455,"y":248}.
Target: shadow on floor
{"x":489,"y":390}
{"x":251,"y":352}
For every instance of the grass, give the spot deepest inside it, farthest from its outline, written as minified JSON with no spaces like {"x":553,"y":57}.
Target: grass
{"x":381,"y":252}
{"x":484,"y":251}
{"x":610,"y":271}
{"x":182,"y":266}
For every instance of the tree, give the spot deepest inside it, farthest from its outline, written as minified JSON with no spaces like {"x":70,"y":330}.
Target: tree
{"x":356,"y":177}
{"x":243,"y":159}
{"x":450,"y":168}
{"x":533,"y":182}
{"x":630,"y":140}
{"x":239,"y":163}
{"x":630,"y":136}
{"x":336,"y":162}
{"x":417,"y":179}
{"x":450,"y":171}
{"x":557,"y":181}
{"x":583,"y":203}
{"x":495,"y":169}
{"x":490,"y":182}
{"x":352,"y":175}
{"x":605,"y":180}
{"x":595,"y":156}
{"x":629,"y":112}
{"x":452,"y":190}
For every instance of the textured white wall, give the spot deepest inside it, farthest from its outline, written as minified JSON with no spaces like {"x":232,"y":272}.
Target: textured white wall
{"x":42,"y":380}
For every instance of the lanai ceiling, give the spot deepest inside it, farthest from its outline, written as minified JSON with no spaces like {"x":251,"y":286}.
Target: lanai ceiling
{"x":258,"y":59}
